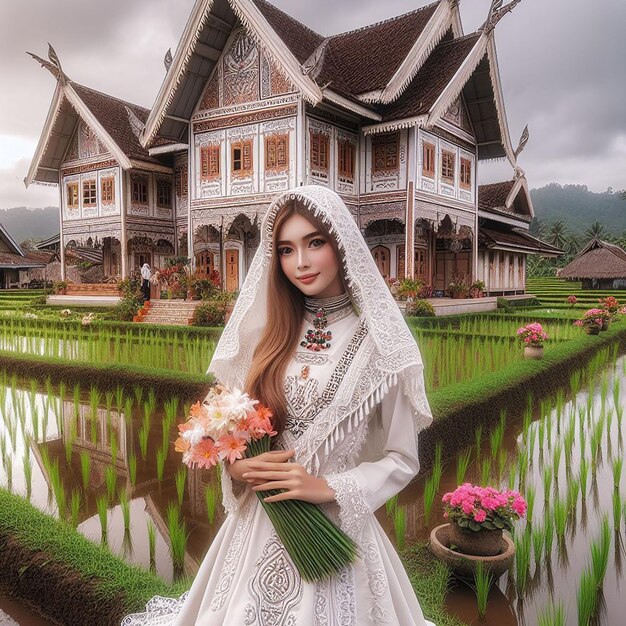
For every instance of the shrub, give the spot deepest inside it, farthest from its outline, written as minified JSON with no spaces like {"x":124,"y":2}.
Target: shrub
{"x":420,"y":308}
{"x":503,"y":303}
{"x":127,"y":307}
{"x":213,"y":312}
{"x":409,"y":287}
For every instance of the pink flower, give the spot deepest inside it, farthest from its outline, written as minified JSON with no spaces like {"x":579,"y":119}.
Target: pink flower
{"x":231,"y":447}
{"x":480,"y":515}
{"x":467,"y":507}
{"x":204,"y":454}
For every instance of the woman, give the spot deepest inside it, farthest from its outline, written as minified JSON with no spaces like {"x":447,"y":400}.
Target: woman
{"x":146,"y":272}
{"x":348,"y":410}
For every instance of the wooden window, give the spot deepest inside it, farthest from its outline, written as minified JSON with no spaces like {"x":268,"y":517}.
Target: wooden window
{"x":182,"y":182}
{"x":72,"y":195}
{"x":385,"y":152}
{"x":346,"y":151}
{"x":139,"y":193}
{"x":276,"y":152}
{"x":466,"y":173}
{"x":320,"y":149}
{"x":428,"y":159}
{"x":164,"y":193}
{"x":107,"y":190}
{"x":210,"y":162}
{"x":447,"y":166}
{"x":241,"y":158}
{"x":89,"y":193}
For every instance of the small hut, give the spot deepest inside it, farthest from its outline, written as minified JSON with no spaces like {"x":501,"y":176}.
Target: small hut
{"x":599,"y":265}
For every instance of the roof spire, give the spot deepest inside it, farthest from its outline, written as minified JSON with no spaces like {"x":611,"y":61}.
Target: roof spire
{"x":523,"y":140}
{"x":496,"y":13}
{"x":53,"y":65}
{"x":167,"y":60}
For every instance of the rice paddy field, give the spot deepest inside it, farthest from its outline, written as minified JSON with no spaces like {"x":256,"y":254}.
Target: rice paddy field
{"x":553,"y":292}
{"x":103,"y":462}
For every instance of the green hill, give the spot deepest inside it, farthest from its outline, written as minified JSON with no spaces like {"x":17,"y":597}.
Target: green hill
{"x":23,"y":223}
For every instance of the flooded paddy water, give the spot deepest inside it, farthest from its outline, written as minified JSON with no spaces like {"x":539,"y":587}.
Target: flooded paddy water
{"x":105,"y":463}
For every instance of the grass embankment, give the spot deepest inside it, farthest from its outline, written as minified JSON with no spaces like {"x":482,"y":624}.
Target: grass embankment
{"x":68,"y":578}
{"x":553,"y":292}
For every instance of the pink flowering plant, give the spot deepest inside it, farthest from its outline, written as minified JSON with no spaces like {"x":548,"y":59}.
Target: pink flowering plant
{"x":572,"y":300}
{"x":593,"y":318}
{"x":229,"y":425}
{"x":532,"y":335}
{"x":610,"y":304}
{"x":474,"y":507}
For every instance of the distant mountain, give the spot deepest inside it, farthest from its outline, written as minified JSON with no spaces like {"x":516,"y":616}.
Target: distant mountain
{"x":579,"y":208}
{"x":23,"y":223}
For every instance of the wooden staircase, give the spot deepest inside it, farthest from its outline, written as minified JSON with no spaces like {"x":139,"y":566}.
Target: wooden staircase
{"x":177,"y":312}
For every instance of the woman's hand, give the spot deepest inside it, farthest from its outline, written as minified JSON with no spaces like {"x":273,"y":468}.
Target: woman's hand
{"x":241,"y":466}
{"x":292,"y":477}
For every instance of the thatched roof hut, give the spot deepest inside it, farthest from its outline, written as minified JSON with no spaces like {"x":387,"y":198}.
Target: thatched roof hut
{"x":599,"y":265}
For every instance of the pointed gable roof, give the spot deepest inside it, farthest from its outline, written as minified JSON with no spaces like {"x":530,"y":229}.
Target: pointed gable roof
{"x":509,"y":198}
{"x":598,"y":259}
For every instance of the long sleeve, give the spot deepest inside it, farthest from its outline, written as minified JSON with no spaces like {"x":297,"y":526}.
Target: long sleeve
{"x":233,"y":492}
{"x":363,"y":489}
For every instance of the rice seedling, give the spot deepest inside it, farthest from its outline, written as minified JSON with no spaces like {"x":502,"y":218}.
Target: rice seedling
{"x":483,"y":580}
{"x":430,"y":490}
{"x":462,"y":463}
{"x":152,"y":544}
{"x":178,"y":537}
{"x":548,"y":535}
{"x":125,"y":507}
{"x":583,"y":475}
{"x":143,"y":442}
{"x":496,"y":436}
{"x":102,"y":507}
{"x":512,"y":474}
{"x":522,"y":465}
{"x":138,"y":391}
{"x":617,"y":472}
{"x":600,"y":552}
{"x":586,"y":598}
{"x":552,"y":615}
{"x":390,"y":505}
{"x":75,"y":507}
{"x":503,"y":456}
{"x":560,"y":512}
{"x":119,"y":398}
{"x":527,"y":421}
{"x":538,"y":538}
{"x":85,"y":469}
{"x":58,"y":489}
{"x":532,"y":437}
{"x":212,"y":498}
{"x":152,"y":400}
{"x":110,"y":480}
{"x":556,"y":460}
{"x":68,"y":443}
{"x":180,"y":479}
{"x":573,"y":491}
{"x":522,"y":559}
{"x":8,"y":468}
{"x":530,"y":501}
{"x":546,"y":477}
{"x":399,"y":526}
{"x":161,"y":455}
{"x":617,"y":511}
{"x":132,"y":468}
{"x":113,"y":443}
{"x":28,"y":471}
{"x":485,"y":471}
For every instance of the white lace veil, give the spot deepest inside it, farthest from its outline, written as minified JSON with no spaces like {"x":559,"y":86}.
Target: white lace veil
{"x":396,"y":351}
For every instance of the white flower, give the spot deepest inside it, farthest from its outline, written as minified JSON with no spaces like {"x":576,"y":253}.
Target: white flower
{"x":237,"y":404}
{"x":220,"y":421}
{"x":195,"y":434}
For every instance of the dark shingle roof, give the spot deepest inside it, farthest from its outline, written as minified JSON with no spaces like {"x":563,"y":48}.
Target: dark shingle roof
{"x":431,"y":79}
{"x":370,"y":56}
{"x":598,"y":259}
{"x":515,"y":238}
{"x":111,"y":113}
{"x":494,"y":195}
{"x":8,"y":260}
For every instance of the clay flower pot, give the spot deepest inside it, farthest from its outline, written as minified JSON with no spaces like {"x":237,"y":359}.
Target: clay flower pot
{"x":592,"y":330}
{"x":482,"y":542}
{"x":605,"y":325}
{"x":533,"y":352}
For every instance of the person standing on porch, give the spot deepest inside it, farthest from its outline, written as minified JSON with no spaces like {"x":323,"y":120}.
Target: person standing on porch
{"x":146,"y":273}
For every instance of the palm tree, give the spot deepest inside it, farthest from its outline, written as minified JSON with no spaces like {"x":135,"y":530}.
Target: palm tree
{"x":557,"y":234}
{"x":595,"y":231}
{"x":572,"y":245}
{"x":537,"y":228}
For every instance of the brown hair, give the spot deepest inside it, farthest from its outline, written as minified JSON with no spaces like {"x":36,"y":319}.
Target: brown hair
{"x":285,"y":311}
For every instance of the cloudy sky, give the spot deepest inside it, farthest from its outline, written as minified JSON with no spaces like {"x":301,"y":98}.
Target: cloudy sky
{"x":562,"y":64}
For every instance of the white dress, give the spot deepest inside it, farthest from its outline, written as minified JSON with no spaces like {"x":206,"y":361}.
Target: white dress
{"x":247,"y":577}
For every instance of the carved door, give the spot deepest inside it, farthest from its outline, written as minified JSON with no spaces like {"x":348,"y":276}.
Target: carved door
{"x":232,"y":269}
{"x":382,"y":256}
{"x":205,"y":262}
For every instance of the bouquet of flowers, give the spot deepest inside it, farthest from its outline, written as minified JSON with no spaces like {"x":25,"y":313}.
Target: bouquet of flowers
{"x":229,"y":425}
{"x":476,"y":507}
{"x":532,"y":335}
{"x":593,"y":319}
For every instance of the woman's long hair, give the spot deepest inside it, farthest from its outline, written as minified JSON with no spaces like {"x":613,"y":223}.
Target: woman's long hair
{"x":285,"y":312}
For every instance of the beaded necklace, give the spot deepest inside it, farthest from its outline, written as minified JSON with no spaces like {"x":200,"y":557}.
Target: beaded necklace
{"x":325,"y":311}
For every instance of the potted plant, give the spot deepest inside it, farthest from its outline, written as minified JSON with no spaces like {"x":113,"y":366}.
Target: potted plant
{"x":458,"y":290}
{"x":532,"y":336}
{"x":611,"y":305}
{"x":571,"y":300}
{"x":60,"y":287}
{"x":593,"y":321}
{"x":409,"y":288}
{"x":476,"y":289}
{"x":478,"y":515}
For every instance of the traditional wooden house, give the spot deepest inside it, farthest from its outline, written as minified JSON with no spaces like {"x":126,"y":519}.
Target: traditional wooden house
{"x":599,"y":265}
{"x":395,"y":117}
{"x":15,"y":265}
{"x":505,"y":210}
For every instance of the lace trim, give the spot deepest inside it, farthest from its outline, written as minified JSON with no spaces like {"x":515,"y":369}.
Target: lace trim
{"x":160,"y":611}
{"x":353,"y":507}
